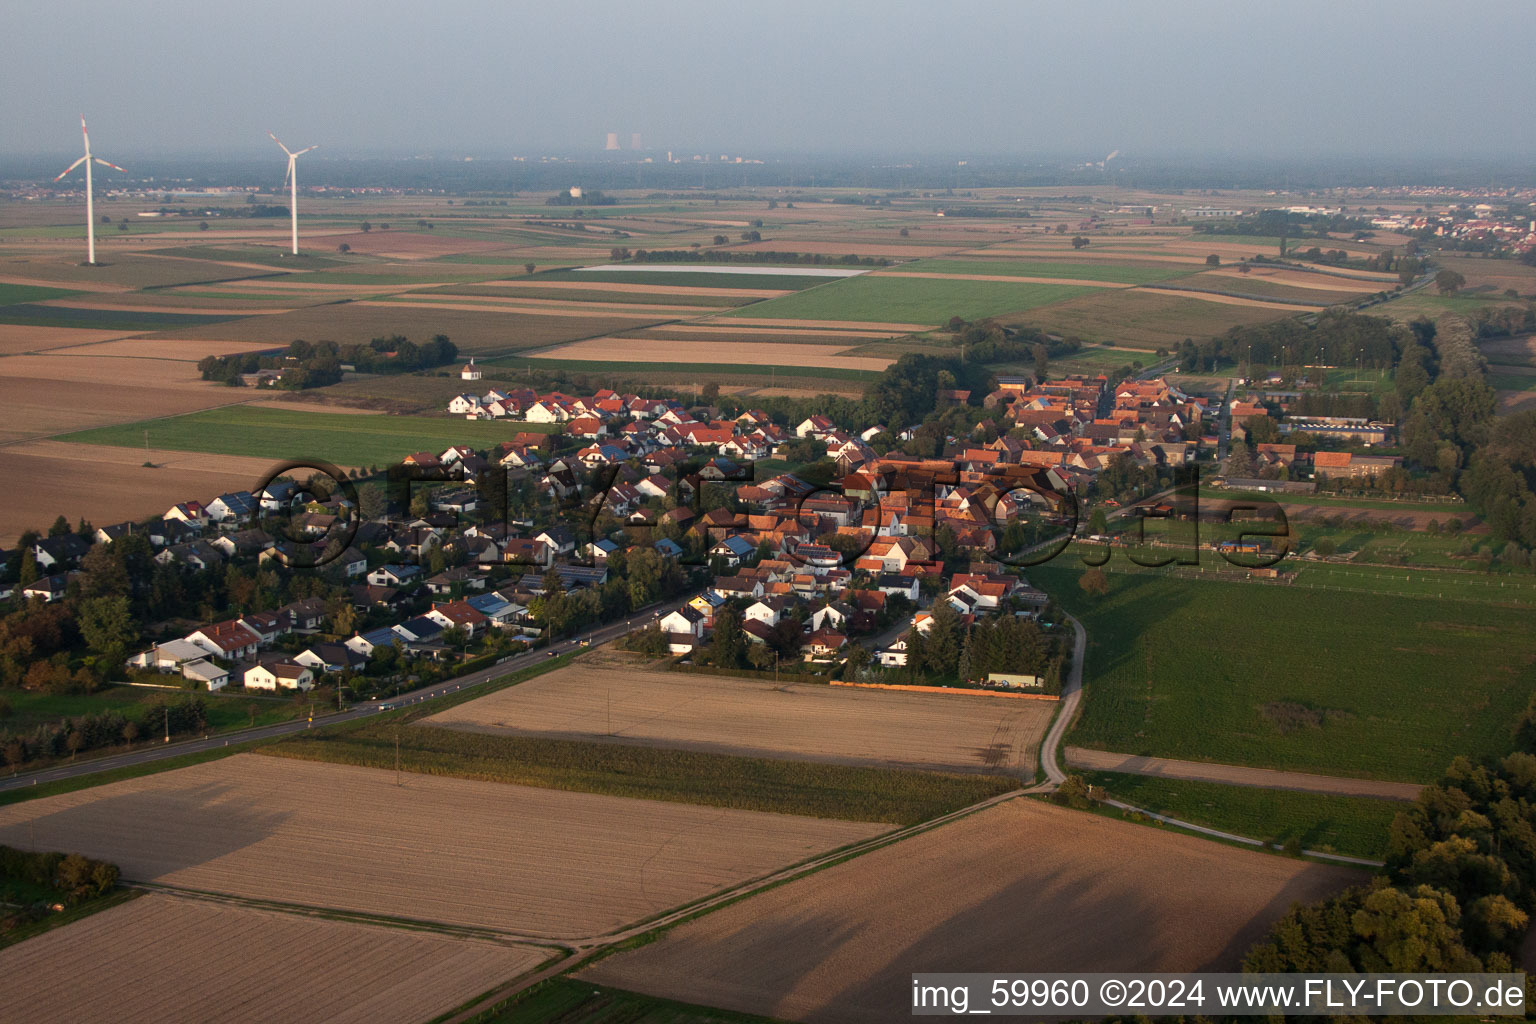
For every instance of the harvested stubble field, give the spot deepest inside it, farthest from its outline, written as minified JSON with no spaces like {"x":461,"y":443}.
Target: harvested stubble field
{"x":44,"y":402}
{"x":1242,"y":300}
{"x":403,"y":245}
{"x":189,"y":350}
{"x":535,"y":307}
{"x":744,"y":716}
{"x":454,"y":851}
{"x":1291,"y":278}
{"x":842,"y":792}
{"x":695,"y":300}
{"x":603,"y":286}
{"x":220,"y":961}
{"x":663,"y":350}
{"x":18,"y":338}
{"x":1021,"y":886}
{"x":122,"y":270}
{"x":827,"y":335}
{"x":108,"y":485}
{"x":474,"y":332}
{"x":660,"y":277}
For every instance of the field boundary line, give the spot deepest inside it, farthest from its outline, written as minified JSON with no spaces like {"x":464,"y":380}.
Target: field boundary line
{"x":350,"y":916}
{"x":587,"y":951}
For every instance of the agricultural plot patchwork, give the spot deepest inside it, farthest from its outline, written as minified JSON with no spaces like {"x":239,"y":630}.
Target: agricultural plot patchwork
{"x":740,"y":716}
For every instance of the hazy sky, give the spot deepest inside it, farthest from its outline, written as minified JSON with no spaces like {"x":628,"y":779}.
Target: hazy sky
{"x":945,"y":78}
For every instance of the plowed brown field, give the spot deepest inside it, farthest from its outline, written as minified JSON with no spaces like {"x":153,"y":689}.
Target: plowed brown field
{"x":529,"y":861}
{"x":961,"y":732}
{"x":212,"y":961}
{"x":1023,"y":886}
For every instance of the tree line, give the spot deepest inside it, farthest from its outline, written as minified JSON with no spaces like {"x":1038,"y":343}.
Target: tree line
{"x":71,"y":736}
{"x":72,"y":876}
{"x":1456,"y":893}
{"x":742,"y":256}
{"x":317,"y":364}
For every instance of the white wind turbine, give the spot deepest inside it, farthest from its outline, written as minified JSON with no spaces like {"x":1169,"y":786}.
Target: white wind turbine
{"x":90,"y":199}
{"x":292,"y":180}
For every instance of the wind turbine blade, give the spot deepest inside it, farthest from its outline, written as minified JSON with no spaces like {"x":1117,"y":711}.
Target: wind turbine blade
{"x":279,"y":142}
{"x":108,"y":163}
{"x":303,"y":151}
{"x":71,"y":167}
{"x":288,"y":175}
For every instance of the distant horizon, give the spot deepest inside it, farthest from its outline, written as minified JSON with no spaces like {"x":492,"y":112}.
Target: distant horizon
{"x":981,"y":79}
{"x":803,"y":172}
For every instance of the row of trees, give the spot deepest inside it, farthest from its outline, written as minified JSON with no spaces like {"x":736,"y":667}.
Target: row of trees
{"x":71,"y":736}
{"x":318,"y":364}
{"x":747,"y":256}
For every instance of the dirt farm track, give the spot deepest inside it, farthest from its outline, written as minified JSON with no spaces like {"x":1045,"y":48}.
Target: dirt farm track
{"x":481,"y":854}
{"x":216,"y":961}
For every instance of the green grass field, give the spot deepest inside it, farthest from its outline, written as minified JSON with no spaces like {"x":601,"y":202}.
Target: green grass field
{"x":1425,"y":303}
{"x":911,"y":300}
{"x":1096,"y":270}
{"x":342,"y":438}
{"x":715,"y":780}
{"x":105,"y":319}
{"x":225,"y":711}
{"x":687,"y":279}
{"x":267,"y":255}
{"x":389,"y":276}
{"x":758,"y":373}
{"x":463,"y":291}
{"x":569,"y":1001}
{"x":10,"y":294}
{"x":1353,"y":826}
{"x":1356,"y":682}
{"x":1142,"y":319}
{"x":1512,"y":381}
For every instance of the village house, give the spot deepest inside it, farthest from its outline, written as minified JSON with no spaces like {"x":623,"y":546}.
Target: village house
{"x":285,"y":673}
{"x":330,"y":657}
{"x":229,"y":640}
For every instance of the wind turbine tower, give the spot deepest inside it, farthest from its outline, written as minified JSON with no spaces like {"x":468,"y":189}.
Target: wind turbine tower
{"x":292,"y":180}
{"x":90,"y":199}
